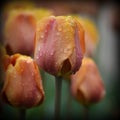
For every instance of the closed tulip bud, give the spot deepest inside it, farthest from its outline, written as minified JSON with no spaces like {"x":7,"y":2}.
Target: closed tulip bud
{"x":19,"y":30}
{"x":59,"y":45}
{"x":2,"y":55}
{"x":17,"y":5}
{"x":91,"y":35}
{"x":86,"y":85}
{"x":22,"y":86}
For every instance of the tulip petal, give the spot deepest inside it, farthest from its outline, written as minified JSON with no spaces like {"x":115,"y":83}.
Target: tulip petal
{"x":23,"y":85}
{"x":57,"y":44}
{"x":87,"y":85}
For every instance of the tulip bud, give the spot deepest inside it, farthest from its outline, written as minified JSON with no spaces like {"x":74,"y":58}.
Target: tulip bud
{"x":91,"y":35}
{"x":2,"y":54}
{"x":86,"y":85}
{"x":22,"y":85}
{"x":20,"y":29}
{"x":17,"y":5}
{"x":59,"y":45}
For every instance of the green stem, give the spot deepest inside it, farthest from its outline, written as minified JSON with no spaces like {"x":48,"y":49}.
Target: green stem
{"x":85,"y":113}
{"x":69,"y":102}
{"x":58,"y":86}
{"x":22,"y":114}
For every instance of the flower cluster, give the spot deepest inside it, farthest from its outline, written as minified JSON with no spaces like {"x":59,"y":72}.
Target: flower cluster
{"x":35,"y":39}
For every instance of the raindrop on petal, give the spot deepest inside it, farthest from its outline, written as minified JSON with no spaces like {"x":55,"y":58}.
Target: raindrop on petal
{"x":57,"y":33}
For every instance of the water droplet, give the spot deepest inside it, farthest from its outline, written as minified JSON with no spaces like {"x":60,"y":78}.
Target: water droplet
{"x":42,"y":36}
{"x":21,"y":70}
{"x":14,"y":76}
{"x":37,"y":58}
{"x":51,"y":53}
{"x":45,"y":31}
{"x":66,"y":50}
{"x":66,"y":37}
{"x":40,"y":54}
{"x":32,"y":74}
{"x":59,"y":29}
{"x":57,"y":33}
{"x":39,"y":50}
{"x":27,"y":61}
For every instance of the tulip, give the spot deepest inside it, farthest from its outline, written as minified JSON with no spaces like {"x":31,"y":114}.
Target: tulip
{"x":19,"y":30}
{"x":2,"y":54}
{"x":22,"y":85}
{"x":87,"y":85}
{"x":59,"y":45}
{"x":18,"y":5}
{"x":91,"y":35}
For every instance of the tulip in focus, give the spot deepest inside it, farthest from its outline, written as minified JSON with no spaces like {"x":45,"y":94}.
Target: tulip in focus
{"x":59,"y":45}
{"x":23,"y":85}
{"x":87,"y":85}
{"x":19,"y":30}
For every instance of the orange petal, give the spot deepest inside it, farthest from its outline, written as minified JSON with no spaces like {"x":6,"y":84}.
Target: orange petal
{"x":23,"y":85}
{"x":87,"y":85}
{"x":57,"y":44}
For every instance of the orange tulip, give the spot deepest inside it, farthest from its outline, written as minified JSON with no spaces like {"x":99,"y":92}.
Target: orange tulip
{"x":22,"y":85}
{"x":20,"y":29}
{"x":87,"y":85}
{"x":91,"y":35}
{"x":59,"y":45}
{"x":2,"y":54}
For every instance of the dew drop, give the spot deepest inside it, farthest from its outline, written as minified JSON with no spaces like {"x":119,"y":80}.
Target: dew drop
{"x":40,"y":54}
{"x":37,"y":58}
{"x":59,"y":29}
{"x":14,"y":76}
{"x":57,"y":33}
{"x":51,"y":53}
{"x":45,"y":31}
{"x":32,"y":74}
{"x":66,"y":37}
{"x":66,"y":50}
{"x":42,"y":36}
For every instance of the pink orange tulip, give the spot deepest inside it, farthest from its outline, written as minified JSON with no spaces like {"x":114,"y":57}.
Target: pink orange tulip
{"x":59,"y":45}
{"x":87,"y":85}
{"x":22,"y":85}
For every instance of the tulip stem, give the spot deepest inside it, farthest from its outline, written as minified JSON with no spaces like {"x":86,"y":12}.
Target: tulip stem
{"x":69,"y":102}
{"x":58,"y":86}
{"x":22,"y":114}
{"x":86,"y":113}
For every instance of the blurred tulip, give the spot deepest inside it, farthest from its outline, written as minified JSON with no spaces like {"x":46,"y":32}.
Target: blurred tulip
{"x":22,"y":86}
{"x":59,"y":45}
{"x":91,"y":35}
{"x":16,"y":5}
{"x":2,"y":56}
{"x":20,"y":29}
{"x":86,"y":85}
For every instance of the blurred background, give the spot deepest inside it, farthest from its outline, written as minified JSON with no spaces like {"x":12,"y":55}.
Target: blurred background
{"x":105,"y":15}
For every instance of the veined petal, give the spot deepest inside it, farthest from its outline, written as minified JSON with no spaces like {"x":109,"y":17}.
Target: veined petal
{"x":57,"y":45}
{"x":87,"y":85}
{"x":22,"y":85}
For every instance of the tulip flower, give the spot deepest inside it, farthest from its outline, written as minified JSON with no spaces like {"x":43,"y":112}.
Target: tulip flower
{"x":18,"y":5}
{"x":91,"y":35}
{"x":19,"y":30}
{"x":2,"y":54}
{"x":22,"y":85}
{"x":87,"y":85}
{"x":59,"y":45}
